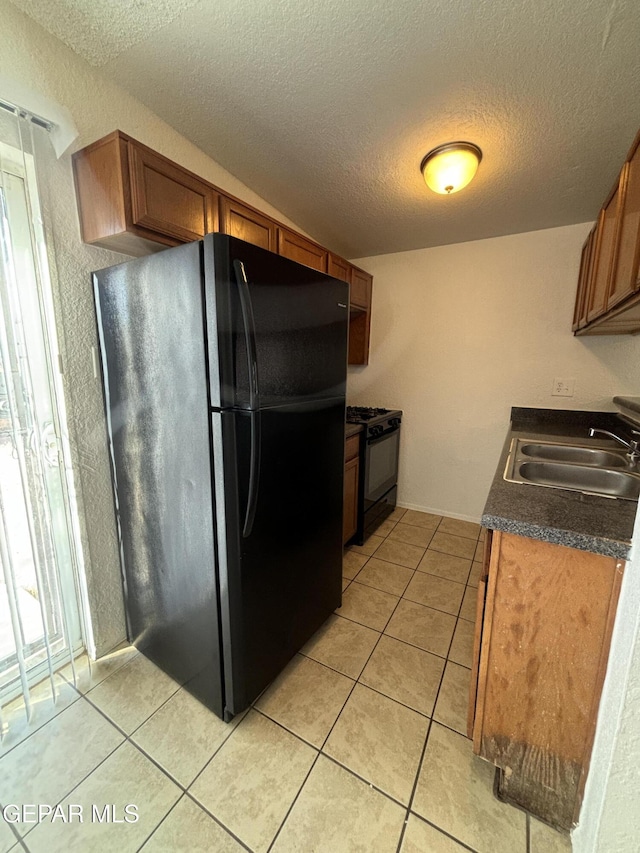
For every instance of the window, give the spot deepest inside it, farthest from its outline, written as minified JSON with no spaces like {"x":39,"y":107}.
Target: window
{"x":40,"y":625}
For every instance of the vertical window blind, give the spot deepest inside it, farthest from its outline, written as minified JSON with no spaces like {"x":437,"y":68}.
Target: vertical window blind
{"x":40,"y":556}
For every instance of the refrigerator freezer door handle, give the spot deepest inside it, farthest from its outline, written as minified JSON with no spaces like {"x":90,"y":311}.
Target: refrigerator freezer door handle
{"x":249,"y":333}
{"x":254,"y":475}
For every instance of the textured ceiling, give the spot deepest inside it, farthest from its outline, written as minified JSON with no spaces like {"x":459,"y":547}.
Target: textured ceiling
{"x":327,"y":107}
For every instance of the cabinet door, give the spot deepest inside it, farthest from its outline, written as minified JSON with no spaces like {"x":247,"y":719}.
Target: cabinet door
{"x":360,"y":288}
{"x":350,"y":509}
{"x":584,"y":280}
{"x":247,"y":224}
{"x":624,"y":281}
{"x":167,"y":199}
{"x":545,"y":642}
{"x":298,"y":248}
{"x":606,"y":243}
{"x":339,"y":268}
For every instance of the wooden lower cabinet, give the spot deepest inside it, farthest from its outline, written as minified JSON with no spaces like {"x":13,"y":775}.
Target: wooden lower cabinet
{"x":545,"y":617}
{"x":351,"y":477}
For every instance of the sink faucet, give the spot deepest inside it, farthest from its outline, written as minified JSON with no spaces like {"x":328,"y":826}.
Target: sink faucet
{"x":633,"y":446}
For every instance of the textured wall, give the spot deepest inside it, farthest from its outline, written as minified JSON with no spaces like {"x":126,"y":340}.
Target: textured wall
{"x":462,"y":333}
{"x":36,"y":60}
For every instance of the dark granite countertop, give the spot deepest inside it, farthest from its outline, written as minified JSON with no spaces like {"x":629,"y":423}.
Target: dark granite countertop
{"x":587,"y":522}
{"x":352,"y":429}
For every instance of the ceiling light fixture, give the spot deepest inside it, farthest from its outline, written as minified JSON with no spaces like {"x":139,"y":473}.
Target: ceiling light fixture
{"x":450,"y":167}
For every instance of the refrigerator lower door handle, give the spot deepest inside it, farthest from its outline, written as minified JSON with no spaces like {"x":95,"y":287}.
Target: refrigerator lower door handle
{"x":254,"y":475}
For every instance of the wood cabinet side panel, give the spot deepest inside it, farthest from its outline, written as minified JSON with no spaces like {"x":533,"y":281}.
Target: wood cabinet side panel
{"x":486,"y":640}
{"x":477,"y":633}
{"x":100,"y":195}
{"x":600,"y":676}
{"x":350,"y":507}
{"x":352,"y":447}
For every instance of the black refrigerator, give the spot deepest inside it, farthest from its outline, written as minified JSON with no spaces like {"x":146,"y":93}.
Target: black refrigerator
{"x":224,"y":371}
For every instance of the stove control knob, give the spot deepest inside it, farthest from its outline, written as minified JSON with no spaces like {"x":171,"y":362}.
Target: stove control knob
{"x":394,"y":422}
{"x":376,"y":430}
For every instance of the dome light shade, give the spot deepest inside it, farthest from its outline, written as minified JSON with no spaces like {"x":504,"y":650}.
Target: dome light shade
{"x":449,"y":168}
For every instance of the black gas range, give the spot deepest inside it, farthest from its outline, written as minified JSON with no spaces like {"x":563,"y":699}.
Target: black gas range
{"x":379,"y":453}
{"x":376,"y":420}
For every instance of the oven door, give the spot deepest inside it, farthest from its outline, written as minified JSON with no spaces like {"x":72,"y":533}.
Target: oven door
{"x":381,"y":465}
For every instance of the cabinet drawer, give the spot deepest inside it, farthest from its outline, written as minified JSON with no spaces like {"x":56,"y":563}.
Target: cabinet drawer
{"x":352,"y":448}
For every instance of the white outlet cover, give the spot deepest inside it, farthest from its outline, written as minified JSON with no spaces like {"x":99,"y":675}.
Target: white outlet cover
{"x":563,"y":387}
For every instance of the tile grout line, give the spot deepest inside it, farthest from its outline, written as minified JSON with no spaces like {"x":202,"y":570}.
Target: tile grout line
{"x":128,"y":737}
{"x":160,"y":822}
{"x":217,"y":820}
{"x":293,"y":802}
{"x":57,"y":714}
{"x":15,"y":832}
{"x":426,"y":741}
{"x":217,"y":750}
{"x":321,"y":750}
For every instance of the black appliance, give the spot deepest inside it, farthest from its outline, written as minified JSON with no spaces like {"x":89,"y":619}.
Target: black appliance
{"x":379,"y":453}
{"x":224,"y":370}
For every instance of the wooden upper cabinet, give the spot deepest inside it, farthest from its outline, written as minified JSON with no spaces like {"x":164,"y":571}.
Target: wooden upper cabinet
{"x":244,"y":222}
{"x":584,"y":281}
{"x":133,"y":200}
{"x":605,"y":252}
{"x":298,"y":248}
{"x":167,"y":199}
{"x":624,"y":280}
{"x":359,"y":316}
{"x":360,"y":288}
{"x":339,"y":268}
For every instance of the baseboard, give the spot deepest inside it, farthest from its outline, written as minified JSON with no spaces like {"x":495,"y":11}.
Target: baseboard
{"x":437,"y":511}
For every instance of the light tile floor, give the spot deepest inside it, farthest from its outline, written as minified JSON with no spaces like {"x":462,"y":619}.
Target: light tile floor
{"x":359,"y":746}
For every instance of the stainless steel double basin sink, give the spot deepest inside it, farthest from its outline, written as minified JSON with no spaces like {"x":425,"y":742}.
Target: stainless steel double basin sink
{"x":590,"y":470}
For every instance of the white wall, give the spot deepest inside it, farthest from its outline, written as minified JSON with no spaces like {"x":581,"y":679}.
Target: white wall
{"x":610,"y":817}
{"x":31,"y":58}
{"x":460,"y":334}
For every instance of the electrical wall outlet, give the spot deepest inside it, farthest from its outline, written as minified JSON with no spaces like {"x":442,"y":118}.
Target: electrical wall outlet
{"x":563,"y":387}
